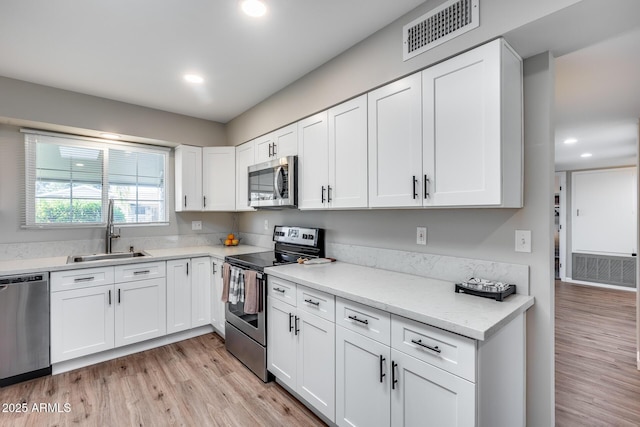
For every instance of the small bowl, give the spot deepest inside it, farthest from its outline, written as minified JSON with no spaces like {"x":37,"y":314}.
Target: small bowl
{"x":223,"y":240}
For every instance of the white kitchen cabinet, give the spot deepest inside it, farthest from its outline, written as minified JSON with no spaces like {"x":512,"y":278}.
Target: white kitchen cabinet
{"x":282,"y":142}
{"x":301,"y":346}
{"x":140,"y":310}
{"x":332,"y":148}
{"x":218,"y":178}
{"x":188,"y":178}
{"x":363,"y":375}
{"x":201,"y":269}
{"x":178,"y":295}
{"x":82,"y":321}
{"x":395,"y":143}
{"x":217,"y":306}
{"x":472,"y":129}
{"x":245,"y":157}
{"x":428,"y":396}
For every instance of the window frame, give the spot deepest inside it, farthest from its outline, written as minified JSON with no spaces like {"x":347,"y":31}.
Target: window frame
{"x":33,"y":137}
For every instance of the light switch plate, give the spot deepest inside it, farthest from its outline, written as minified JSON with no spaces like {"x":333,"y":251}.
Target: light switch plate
{"x":196,"y":225}
{"x":266,"y":225}
{"x":523,"y":241}
{"x":421,"y":235}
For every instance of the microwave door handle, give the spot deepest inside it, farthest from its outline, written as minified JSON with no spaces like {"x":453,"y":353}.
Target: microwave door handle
{"x":276,"y":183}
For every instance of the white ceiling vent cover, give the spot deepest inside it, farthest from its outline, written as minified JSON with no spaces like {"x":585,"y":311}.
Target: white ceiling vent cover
{"x":443,"y":23}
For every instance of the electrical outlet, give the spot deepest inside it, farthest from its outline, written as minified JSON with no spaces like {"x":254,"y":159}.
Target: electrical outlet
{"x":266,"y":225}
{"x":421,"y":235}
{"x":523,"y":241}
{"x":196,"y":225}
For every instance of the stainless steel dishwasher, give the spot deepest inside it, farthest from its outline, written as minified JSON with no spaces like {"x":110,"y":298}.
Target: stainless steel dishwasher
{"x":24,"y":327}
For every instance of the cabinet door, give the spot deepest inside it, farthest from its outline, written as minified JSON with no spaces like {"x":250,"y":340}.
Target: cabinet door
{"x":428,"y":396}
{"x":188,"y":179}
{"x":140,"y":311}
{"x":313,"y":162}
{"x":363,"y":375}
{"x":395,"y":143}
{"x":200,"y":291}
{"x":178,"y":295}
{"x":286,"y":141}
{"x":264,"y":148}
{"x":218,"y":178}
{"x":81,"y":322}
{"x":348,"y":154}
{"x":281,"y":341}
{"x":244,"y":159}
{"x":217,"y":306}
{"x":462,"y":128}
{"x":316,"y":363}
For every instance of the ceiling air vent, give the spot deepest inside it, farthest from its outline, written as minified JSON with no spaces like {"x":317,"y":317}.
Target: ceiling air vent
{"x":439,"y":25}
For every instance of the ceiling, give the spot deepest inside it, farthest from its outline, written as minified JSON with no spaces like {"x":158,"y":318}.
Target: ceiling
{"x":138,"y":51}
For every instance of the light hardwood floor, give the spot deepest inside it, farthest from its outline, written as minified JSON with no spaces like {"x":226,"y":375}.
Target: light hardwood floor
{"x":597,"y":383}
{"x":190,"y":383}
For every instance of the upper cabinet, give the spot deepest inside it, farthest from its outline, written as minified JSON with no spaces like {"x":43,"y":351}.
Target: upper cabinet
{"x":244,"y":158}
{"x":472,"y":129}
{"x":205,"y":178}
{"x":332,"y":164}
{"x":279,"y":143}
{"x":450,"y":135}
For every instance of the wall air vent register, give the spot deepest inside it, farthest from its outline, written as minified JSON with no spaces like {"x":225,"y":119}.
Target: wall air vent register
{"x":449,"y":20}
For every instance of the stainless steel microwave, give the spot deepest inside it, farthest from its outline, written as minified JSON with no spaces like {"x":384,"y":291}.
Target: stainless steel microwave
{"x":273,"y":184}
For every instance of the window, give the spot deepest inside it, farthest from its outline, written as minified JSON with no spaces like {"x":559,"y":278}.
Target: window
{"x":70,"y":179}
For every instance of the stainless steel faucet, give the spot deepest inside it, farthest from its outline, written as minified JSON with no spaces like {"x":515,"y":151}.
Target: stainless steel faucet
{"x":110,"y":235}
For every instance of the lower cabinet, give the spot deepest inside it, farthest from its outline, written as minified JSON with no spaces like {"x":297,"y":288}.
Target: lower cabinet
{"x":140,"y":312}
{"x":188,"y":293}
{"x":301,"y":346}
{"x":217,"y":306}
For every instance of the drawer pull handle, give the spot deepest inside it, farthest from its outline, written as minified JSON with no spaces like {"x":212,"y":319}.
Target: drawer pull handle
{"x":428,"y":347}
{"x":279,"y":290}
{"x":310,"y":301}
{"x":84,"y":279}
{"x":382,"y":374}
{"x":135,"y":273}
{"x":365,"y":321}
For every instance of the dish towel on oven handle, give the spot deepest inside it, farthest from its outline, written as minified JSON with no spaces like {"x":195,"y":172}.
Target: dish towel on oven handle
{"x":252,"y":293}
{"x":232,"y":284}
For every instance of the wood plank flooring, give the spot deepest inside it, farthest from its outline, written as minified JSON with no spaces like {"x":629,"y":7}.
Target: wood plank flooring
{"x":189,"y":383}
{"x":597,"y":383}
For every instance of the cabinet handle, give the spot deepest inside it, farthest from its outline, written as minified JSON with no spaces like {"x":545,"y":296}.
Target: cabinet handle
{"x":415,"y":193}
{"x":136,"y":273}
{"x":322,"y":194}
{"x":290,"y":324}
{"x":109,"y":296}
{"x":278,"y":290}
{"x":213,"y":266}
{"x":426,"y":186}
{"x":365,"y":321}
{"x":274,"y":149}
{"x":310,"y":301}
{"x":296,"y":323}
{"x":328,"y":194}
{"x":185,"y":201}
{"x":394,"y":380}
{"x":187,"y":269}
{"x":84,"y":279}
{"x":428,"y":347}
{"x":382,"y":375}
{"x":118,"y":295}
{"x":204,"y":201}
{"x":269,"y":149}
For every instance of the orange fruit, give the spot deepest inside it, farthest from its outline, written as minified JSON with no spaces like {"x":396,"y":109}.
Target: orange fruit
{"x":227,"y":242}
{"x":230,"y":236}
{"x":234,"y":242}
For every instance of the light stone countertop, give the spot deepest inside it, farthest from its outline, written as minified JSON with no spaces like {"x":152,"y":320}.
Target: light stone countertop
{"x":39,"y":265}
{"x":430,"y":301}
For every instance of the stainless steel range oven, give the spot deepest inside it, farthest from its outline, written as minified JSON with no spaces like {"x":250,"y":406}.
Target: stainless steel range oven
{"x":246,"y":333}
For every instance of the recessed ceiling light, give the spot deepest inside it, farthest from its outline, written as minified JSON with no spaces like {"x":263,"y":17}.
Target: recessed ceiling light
{"x":254,"y":8}
{"x":110,"y":135}
{"x":586,"y":155}
{"x":570,"y":141}
{"x":193,"y":78}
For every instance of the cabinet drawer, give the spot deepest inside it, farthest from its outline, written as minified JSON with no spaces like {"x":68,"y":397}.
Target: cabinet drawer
{"x":445,"y":350}
{"x":140,"y":271}
{"x":283,"y":290}
{"x":316,"y":302}
{"x":368,"y":321}
{"x":82,"y":278}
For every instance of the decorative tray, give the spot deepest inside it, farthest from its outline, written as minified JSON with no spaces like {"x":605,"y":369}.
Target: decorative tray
{"x":486,"y":288}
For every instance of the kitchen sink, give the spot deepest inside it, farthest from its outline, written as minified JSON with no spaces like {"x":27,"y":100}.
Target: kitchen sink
{"x":102,"y":257}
